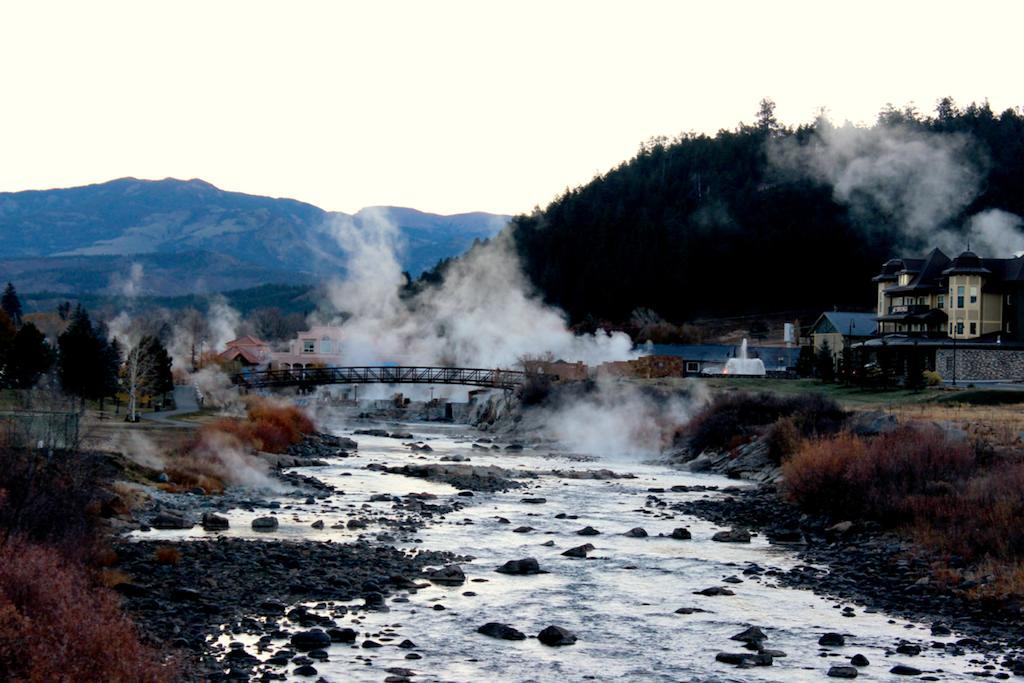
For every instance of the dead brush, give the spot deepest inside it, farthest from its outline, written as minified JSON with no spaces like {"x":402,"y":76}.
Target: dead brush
{"x":167,"y":555}
{"x":58,"y":621}
{"x":110,"y":577}
{"x":189,"y":471}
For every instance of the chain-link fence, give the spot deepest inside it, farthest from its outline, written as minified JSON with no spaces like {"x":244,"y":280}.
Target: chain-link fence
{"x":39,"y":429}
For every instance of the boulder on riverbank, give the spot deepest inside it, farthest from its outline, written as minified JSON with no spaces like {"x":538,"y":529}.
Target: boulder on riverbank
{"x":735,"y":535}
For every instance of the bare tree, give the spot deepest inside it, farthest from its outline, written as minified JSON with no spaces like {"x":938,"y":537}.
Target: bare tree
{"x":147,"y":369}
{"x":197,"y":332}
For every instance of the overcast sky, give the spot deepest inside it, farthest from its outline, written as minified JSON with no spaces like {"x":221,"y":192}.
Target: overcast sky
{"x":454,"y":106}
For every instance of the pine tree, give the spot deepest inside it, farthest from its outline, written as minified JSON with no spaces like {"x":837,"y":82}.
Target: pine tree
{"x":11,"y":304}
{"x":88,"y":362}
{"x":824,"y":364}
{"x":30,"y":357}
{"x":7,"y":334}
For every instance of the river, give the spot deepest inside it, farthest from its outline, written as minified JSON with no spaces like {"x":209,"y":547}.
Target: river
{"x":621,"y":602}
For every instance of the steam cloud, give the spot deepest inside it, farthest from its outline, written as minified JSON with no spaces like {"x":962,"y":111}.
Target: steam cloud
{"x":620,"y":420}
{"x":923,"y":180}
{"x":484,"y":314}
{"x":130,"y":286}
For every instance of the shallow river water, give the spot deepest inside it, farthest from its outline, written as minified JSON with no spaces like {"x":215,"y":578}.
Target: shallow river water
{"x":620,"y":602}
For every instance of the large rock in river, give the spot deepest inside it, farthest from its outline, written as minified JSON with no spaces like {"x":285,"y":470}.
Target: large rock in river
{"x":555,"y":636}
{"x":310,"y":640}
{"x":502,"y":631}
{"x":522,"y":567}
{"x":214,"y":522}
{"x":168,"y":520}
{"x":452,"y":575}
{"x":732,"y":536}
{"x":265,"y":524}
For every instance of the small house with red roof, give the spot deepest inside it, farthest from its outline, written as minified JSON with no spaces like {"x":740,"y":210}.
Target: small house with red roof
{"x":246,"y":352}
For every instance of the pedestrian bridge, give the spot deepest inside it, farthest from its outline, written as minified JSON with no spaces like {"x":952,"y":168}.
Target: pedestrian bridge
{"x":310,"y":377}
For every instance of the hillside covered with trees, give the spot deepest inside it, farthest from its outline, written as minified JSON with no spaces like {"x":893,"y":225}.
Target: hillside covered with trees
{"x":757,"y":220}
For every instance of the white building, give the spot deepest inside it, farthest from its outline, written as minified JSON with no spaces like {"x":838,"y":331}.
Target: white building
{"x":319,"y":346}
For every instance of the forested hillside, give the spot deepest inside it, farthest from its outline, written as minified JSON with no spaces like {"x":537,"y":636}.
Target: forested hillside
{"x":768,"y":218}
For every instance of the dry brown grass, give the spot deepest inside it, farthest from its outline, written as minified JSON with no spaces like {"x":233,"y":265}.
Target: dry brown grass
{"x":188,"y":471}
{"x":1000,"y":426}
{"x":932,"y":489}
{"x":167,"y":555}
{"x":110,"y":577}
{"x":57,"y":623}
{"x":132,"y":497}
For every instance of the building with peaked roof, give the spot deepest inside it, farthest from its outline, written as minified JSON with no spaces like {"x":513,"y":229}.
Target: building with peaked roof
{"x":246,"y":352}
{"x":965,"y":298}
{"x":961,"y":317}
{"x":839,"y":328}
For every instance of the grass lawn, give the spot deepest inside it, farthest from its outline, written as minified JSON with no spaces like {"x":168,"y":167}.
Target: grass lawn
{"x":850,"y":397}
{"x":855,"y":398}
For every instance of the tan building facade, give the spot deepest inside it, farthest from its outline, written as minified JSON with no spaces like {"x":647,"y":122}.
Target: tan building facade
{"x":965,"y":298}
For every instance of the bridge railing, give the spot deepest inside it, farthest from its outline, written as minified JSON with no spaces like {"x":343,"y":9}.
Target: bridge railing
{"x":381,"y":374}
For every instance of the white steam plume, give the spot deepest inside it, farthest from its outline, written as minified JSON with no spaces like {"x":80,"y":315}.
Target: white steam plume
{"x":923,"y":180}
{"x":223,"y":321}
{"x":996,"y":232}
{"x":619,"y":419}
{"x":238,"y":467}
{"x":131,"y":286}
{"x":484,"y":314}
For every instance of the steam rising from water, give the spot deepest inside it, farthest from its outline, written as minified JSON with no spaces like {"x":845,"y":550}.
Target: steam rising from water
{"x":620,"y":420}
{"x":923,"y":180}
{"x":484,"y":314}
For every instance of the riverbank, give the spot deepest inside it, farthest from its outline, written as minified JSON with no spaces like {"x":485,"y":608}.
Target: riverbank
{"x":885,"y":512}
{"x":863,"y":565}
{"x":186,"y":595}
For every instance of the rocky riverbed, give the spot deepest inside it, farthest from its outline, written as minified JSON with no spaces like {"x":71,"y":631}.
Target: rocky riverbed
{"x":862,"y":563}
{"x":449,"y":557}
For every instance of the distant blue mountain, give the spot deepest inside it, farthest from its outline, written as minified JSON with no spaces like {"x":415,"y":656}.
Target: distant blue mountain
{"x":191,"y":237}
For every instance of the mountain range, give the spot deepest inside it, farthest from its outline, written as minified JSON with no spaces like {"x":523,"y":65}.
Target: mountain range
{"x":178,"y":237}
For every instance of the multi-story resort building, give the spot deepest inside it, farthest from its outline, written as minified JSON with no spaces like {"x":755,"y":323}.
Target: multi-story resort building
{"x":967,"y":297}
{"x":966,"y":314}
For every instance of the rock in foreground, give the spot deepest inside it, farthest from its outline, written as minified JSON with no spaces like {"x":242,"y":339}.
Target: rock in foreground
{"x":521,"y":567}
{"x":501,"y":631}
{"x":555,"y":636}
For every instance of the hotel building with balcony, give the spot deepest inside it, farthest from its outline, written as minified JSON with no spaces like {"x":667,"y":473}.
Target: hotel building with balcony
{"x":966,"y":314}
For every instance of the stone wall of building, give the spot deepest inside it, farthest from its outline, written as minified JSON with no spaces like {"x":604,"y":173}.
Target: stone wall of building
{"x":980,"y":364}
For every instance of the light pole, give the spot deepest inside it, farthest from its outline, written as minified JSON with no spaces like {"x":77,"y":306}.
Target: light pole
{"x":954,"y":356}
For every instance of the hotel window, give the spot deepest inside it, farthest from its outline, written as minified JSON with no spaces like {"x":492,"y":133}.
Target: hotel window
{"x":920,"y":300}
{"x":974,"y":295}
{"x":941,"y":302}
{"x":325,"y":345}
{"x":692,"y":366}
{"x":959,"y":327}
{"x":951,"y":328}
{"x":974,"y":328}
{"x":309,"y":345}
{"x":960,"y":296}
